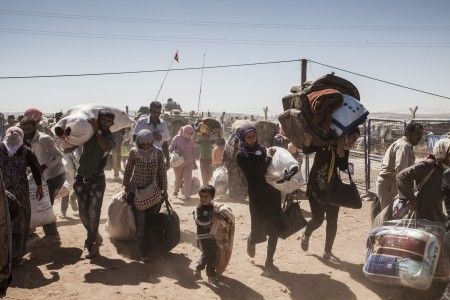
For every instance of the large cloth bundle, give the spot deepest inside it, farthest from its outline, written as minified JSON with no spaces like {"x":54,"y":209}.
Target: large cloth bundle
{"x":239,"y":123}
{"x":284,"y":173}
{"x":5,"y":239}
{"x":292,"y":123}
{"x":121,"y":224}
{"x":208,"y":129}
{"x":74,"y":129}
{"x":223,"y":232}
{"x":219,"y":180}
{"x":315,"y":103}
{"x":41,"y":210}
{"x":402,"y":256}
{"x":163,"y":230}
{"x":266,"y":131}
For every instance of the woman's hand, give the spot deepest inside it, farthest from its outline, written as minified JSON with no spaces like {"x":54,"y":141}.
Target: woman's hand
{"x":39,"y":192}
{"x":272,"y":151}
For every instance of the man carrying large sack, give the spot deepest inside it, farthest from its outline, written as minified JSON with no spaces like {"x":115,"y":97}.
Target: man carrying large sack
{"x":50,"y":161}
{"x":90,"y":180}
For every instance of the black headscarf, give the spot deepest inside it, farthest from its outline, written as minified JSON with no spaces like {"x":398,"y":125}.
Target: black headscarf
{"x":247,"y":149}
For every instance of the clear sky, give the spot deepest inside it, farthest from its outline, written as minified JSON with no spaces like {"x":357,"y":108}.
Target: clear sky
{"x":405,"y":41}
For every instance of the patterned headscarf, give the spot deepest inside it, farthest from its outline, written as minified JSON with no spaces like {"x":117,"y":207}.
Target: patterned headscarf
{"x":245,"y":148}
{"x":13,"y":140}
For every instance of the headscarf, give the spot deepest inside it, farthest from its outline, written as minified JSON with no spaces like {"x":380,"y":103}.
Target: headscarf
{"x":245,"y":148}
{"x":186,"y":131}
{"x":144,"y":136}
{"x":33,"y":113}
{"x":441,"y":150}
{"x":13,"y":140}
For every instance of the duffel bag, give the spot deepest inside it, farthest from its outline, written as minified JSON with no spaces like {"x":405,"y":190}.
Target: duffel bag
{"x":163,"y":230}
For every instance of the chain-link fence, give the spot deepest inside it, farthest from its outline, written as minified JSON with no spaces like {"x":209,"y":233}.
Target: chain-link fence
{"x":376,"y":136}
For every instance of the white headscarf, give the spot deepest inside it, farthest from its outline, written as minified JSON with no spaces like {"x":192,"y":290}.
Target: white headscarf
{"x":13,"y":140}
{"x":441,"y":150}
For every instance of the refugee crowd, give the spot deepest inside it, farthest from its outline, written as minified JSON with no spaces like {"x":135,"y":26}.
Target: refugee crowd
{"x":148,"y":152}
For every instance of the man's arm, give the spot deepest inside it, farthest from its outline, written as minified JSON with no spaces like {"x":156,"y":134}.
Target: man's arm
{"x":165,"y":149}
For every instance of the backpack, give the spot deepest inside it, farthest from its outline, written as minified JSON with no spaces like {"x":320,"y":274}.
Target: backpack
{"x":164,"y":230}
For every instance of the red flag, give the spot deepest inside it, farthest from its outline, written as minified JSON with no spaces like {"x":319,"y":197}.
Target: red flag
{"x":176,"y":57}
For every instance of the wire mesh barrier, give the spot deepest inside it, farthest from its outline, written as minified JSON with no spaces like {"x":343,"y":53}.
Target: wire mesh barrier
{"x":376,"y":136}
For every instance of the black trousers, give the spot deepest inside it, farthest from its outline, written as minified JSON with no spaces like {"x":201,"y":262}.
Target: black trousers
{"x":319,"y":211}
{"x":209,"y":256}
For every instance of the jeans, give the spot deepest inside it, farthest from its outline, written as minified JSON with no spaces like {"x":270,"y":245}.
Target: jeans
{"x":54,"y":184}
{"x":318,"y":213}
{"x":90,"y":199}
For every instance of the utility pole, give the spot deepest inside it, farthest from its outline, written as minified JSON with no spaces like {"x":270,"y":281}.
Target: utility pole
{"x":304,"y":64}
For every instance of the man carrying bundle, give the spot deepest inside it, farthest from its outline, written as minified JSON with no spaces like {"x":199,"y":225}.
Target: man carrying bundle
{"x":90,"y":180}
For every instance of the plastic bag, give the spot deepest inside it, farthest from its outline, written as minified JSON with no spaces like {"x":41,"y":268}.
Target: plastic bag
{"x":402,"y":256}
{"x":284,"y":163}
{"x":41,"y":210}
{"x":220,"y":180}
{"x":121,"y":224}
{"x":176,"y":160}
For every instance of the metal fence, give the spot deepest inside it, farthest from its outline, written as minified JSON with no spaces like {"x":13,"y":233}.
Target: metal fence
{"x":376,"y":136}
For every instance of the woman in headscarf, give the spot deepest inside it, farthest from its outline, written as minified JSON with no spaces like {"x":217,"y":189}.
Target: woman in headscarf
{"x":183,"y":144}
{"x":264,"y":200}
{"x":15,"y":157}
{"x":145,"y":182}
{"x":428,"y":201}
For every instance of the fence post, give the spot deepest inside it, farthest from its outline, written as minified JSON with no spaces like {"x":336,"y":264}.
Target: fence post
{"x":368,"y":145}
{"x":304,"y":64}
{"x":366,"y":157}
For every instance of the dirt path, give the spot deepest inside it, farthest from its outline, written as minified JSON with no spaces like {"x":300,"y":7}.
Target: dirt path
{"x":53,"y":272}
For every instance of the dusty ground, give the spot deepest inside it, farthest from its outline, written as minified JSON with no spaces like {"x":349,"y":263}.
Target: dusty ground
{"x":57,"y":272}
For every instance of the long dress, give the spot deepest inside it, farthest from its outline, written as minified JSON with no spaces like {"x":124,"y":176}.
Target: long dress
{"x":14,"y":169}
{"x":264,"y":200}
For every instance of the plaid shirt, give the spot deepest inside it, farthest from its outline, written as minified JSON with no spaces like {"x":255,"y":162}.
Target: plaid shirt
{"x":139,"y":172}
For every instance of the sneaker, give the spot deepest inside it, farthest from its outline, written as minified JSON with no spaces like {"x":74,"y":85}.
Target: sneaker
{"x":305,"y":243}
{"x":251,"y":249}
{"x":330,"y":257}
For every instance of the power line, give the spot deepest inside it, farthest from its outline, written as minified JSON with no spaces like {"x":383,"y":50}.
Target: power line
{"x":150,"y":71}
{"x":177,"y":39}
{"x":223,"y":66}
{"x":220,"y":24}
{"x":380,"y":80}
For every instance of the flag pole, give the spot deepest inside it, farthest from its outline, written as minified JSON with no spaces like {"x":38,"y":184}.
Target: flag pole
{"x":201,"y":83}
{"x":165,"y":76}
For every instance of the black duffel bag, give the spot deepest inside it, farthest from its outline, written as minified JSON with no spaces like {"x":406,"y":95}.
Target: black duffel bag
{"x":293,"y":219}
{"x":343,"y":194}
{"x":163,"y":230}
